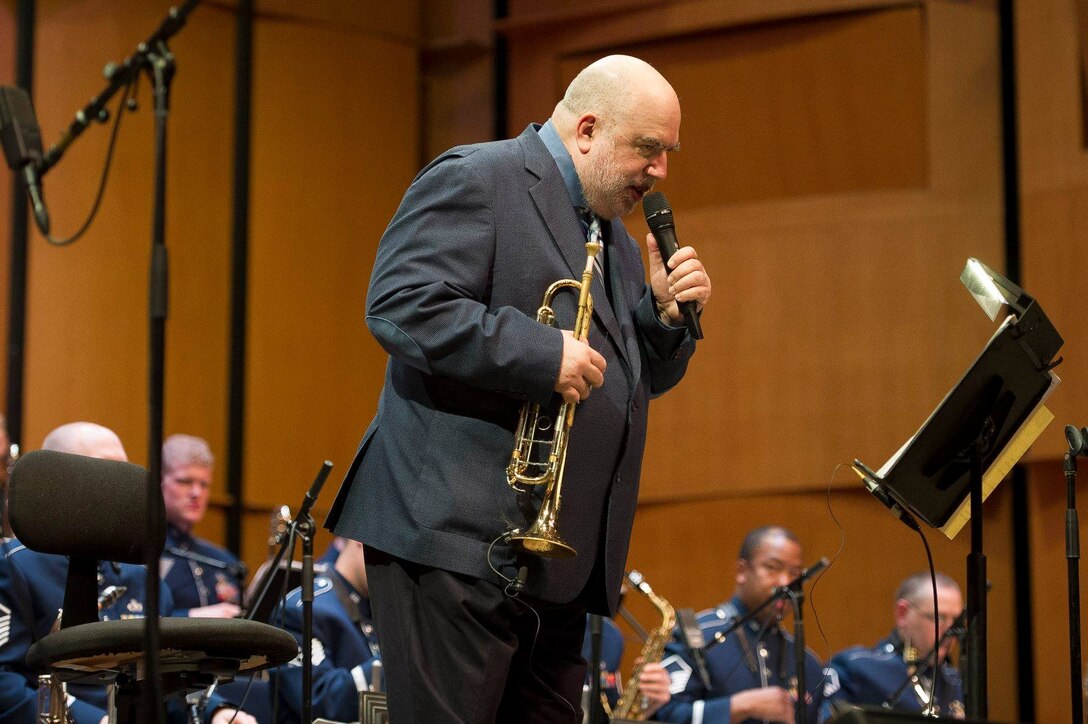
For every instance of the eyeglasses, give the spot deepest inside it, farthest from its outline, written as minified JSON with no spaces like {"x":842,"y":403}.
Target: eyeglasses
{"x":946,"y":619}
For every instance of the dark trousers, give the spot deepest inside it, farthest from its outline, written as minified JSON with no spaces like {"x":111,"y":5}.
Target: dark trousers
{"x":458,"y":649}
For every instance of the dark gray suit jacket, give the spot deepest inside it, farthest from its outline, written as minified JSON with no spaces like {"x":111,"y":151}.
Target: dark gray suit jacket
{"x":460,"y":272}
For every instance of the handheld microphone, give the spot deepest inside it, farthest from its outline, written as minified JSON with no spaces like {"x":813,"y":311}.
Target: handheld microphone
{"x":22,"y":143}
{"x":659,"y":219}
{"x":880,"y":493}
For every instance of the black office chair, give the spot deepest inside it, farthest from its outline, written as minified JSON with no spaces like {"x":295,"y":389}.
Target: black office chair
{"x":95,"y":510}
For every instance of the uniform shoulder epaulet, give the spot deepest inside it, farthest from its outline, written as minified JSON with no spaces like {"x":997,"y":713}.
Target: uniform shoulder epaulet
{"x":711,"y":619}
{"x":861,"y":653}
{"x":322,"y":585}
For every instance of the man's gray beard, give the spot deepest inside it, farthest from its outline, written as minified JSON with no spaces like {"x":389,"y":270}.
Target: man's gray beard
{"x":605,"y":190}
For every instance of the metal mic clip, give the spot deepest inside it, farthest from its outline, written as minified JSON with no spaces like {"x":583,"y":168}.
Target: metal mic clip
{"x":872,"y":484}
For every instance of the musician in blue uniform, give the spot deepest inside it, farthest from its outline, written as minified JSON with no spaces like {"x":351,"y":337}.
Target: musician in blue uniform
{"x":653,"y":679}
{"x":205,"y":579}
{"x":611,"y":653}
{"x":344,"y":644}
{"x":32,"y":593}
{"x":898,"y":670}
{"x":752,"y":672}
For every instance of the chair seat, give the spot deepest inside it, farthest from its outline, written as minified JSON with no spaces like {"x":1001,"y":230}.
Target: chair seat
{"x":100,"y":651}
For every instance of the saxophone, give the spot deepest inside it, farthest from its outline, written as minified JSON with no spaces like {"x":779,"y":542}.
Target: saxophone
{"x":631,"y":704}
{"x":52,"y":692}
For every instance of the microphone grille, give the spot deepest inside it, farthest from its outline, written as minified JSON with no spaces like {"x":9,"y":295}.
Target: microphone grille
{"x":654,"y":203}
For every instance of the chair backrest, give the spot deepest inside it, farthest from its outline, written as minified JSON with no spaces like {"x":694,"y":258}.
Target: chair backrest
{"x":76,"y":505}
{"x":87,"y":509}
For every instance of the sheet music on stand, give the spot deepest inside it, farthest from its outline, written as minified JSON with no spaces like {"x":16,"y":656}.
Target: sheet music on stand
{"x":929,"y":474}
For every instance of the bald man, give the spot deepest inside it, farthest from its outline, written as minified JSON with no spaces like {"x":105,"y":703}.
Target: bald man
{"x":474,"y":629}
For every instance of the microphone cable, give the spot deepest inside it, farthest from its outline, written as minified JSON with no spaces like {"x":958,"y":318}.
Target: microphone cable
{"x":127,"y":101}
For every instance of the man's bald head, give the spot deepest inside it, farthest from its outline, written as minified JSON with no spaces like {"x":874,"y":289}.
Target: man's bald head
{"x":615,"y":86}
{"x":86,"y":438}
{"x":618,"y":121}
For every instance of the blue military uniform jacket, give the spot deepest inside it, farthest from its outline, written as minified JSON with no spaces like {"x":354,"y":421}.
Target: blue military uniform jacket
{"x":199,"y":573}
{"x":734,"y":666}
{"x":31,"y":592}
{"x":871,"y":676}
{"x":345,"y":648}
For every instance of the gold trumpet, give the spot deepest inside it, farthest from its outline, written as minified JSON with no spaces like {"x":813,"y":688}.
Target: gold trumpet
{"x":526,"y":467}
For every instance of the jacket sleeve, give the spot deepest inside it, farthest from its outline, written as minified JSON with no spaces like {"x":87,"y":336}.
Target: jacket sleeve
{"x":667,"y":349}
{"x":428,"y":300}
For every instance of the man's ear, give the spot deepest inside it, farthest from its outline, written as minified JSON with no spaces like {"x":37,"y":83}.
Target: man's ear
{"x":585,"y":130}
{"x":902,"y":606}
{"x":742,"y":571}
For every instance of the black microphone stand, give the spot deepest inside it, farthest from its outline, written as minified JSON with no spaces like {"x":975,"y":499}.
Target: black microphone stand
{"x":796,"y":594}
{"x":153,"y":56}
{"x":975,"y":692}
{"x":1072,"y":555}
{"x":596,"y":709}
{"x":300,"y":528}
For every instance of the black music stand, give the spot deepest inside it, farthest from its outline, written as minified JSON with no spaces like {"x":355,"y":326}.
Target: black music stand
{"x":972,"y":440}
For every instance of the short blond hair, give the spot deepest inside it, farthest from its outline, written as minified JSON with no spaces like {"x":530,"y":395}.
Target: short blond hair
{"x":179,"y":451}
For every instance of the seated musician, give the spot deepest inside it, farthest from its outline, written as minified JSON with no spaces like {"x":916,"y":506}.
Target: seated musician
{"x":205,"y":579}
{"x":653,"y":682}
{"x":344,"y":645}
{"x":898,"y":671}
{"x":752,"y":672}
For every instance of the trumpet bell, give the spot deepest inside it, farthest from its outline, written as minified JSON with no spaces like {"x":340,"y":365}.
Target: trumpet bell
{"x":543,"y":543}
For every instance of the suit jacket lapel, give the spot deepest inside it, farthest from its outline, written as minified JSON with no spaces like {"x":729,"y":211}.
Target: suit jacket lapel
{"x":620,"y":267}
{"x":553,"y":202}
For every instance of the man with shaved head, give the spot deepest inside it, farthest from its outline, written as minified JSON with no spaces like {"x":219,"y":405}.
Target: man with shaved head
{"x":86,"y":438}
{"x":474,"y":627}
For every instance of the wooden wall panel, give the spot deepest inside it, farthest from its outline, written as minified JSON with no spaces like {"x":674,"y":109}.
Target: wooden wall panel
{"x":1054,"y":188}
{"x":457,"y":75}
{"x":335,"y":145}
{"x":817,"y":106}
